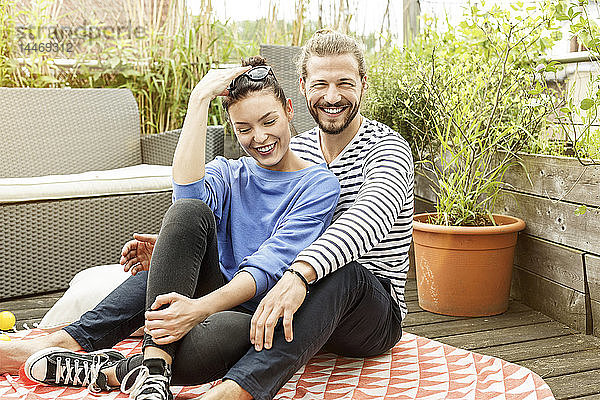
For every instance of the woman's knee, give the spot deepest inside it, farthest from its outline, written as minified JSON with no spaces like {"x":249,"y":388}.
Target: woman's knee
{"x":189,"y":212}
{"x":212,"y":347}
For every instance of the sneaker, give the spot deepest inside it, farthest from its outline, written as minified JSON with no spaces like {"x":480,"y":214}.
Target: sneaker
{"x":152,"y":381}
{"x":61,"y":367}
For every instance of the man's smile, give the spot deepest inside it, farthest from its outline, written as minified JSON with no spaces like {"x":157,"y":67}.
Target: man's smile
{"x":333,"y":111}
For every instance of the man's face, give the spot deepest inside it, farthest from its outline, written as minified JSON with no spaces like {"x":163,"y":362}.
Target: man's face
{"x":333,"y":90}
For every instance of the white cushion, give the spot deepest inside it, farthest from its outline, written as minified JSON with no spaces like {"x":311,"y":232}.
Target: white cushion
{"x":86,"y":290}
{"x":143,"y":178}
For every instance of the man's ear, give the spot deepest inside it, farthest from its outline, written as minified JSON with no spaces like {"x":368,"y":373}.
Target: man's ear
{"x":365,"y":84}
{"x":302,"y":87}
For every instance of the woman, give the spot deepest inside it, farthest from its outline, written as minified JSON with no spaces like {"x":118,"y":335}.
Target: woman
{"x":234,"y":228}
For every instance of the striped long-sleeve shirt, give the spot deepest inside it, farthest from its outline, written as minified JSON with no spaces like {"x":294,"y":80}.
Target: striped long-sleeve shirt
{"x":372,"y":223}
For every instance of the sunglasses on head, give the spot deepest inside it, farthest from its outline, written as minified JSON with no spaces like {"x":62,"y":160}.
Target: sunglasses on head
{"x":255,"y":74}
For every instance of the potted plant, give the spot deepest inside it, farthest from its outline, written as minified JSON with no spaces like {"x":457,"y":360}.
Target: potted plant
{"x":486,"y":100}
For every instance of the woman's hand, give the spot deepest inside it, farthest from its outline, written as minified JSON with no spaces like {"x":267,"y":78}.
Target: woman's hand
{"x":175,"y":321}
{"x":137,"y":253}
{"x":215,"y":83}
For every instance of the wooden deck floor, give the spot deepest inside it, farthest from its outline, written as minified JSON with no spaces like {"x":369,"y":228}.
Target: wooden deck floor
{"x":568,"y":361}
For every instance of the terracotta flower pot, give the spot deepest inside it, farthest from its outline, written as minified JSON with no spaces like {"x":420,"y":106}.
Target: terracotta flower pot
{"x":464,"y":270}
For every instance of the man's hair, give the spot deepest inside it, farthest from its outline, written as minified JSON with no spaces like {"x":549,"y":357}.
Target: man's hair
{"x":245,"y":86}
{"x":327,"y":42}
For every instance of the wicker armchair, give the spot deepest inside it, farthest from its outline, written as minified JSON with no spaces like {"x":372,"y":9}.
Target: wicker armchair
{"x":283,"y":61}
{"x":69,"y":141}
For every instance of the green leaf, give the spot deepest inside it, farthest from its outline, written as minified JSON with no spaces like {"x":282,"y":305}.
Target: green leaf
{"x":586,"y":104}
{"x":581,"y":210}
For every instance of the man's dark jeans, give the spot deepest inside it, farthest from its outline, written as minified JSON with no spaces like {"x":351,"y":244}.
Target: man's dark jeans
{"x":350,"y":312}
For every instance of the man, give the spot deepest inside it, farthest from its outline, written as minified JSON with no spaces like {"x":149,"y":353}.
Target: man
{"x":357,"y":268}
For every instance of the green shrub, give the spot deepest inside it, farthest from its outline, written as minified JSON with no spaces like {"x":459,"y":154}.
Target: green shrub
{"x":468,"y":99}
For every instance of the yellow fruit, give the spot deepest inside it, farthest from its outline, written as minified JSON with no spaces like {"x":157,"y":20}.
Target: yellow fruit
{"x":4,"y":337}
{"x":7,"y":320}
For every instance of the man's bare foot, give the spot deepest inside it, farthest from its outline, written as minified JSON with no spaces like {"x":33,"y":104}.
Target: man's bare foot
{"x":227,"y":390}
{"x":14,"y":353}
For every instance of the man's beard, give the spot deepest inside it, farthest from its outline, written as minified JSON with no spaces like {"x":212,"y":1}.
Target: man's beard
{"x":333,"y":128}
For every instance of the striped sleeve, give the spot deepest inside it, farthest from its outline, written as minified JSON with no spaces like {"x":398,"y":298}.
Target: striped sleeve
{"x":388,"y":177}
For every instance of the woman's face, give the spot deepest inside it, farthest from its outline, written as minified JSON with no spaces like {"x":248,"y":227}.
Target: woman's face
{"x":262,"y":127}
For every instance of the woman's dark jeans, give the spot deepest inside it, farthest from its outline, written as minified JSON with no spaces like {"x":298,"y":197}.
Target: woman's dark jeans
{"x":350,"y":312}
{"x":185,"y":260}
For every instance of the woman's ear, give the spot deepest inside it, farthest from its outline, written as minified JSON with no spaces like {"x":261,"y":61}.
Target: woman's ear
{"x":289,"y":109}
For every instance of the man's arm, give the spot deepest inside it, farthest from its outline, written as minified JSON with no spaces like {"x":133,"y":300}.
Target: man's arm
{"x":388,"y":177}
{"x":388,"y":172}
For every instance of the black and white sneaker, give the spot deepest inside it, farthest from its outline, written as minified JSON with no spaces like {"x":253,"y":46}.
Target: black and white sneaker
{"x":152,"y":381}
{"x":61,"y":367}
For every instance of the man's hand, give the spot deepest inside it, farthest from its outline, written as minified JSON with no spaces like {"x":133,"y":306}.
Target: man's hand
{"x":136,"y":254}
{"x":174,"y":322}
{"x":283,"y":300}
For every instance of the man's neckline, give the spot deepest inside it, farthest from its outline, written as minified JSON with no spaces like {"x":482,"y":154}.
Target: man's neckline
{"x":343,"y":151}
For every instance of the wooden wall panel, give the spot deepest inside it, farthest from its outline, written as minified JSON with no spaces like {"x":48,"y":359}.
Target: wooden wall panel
{"x":559,"y":302}
{"x":423,"y":188}
{"x":596,"y":317}
{"x":557,"y":178}
{"x":553,"y":261}
{"x":592,"y":264}
{"x":423,"y":205}
{"x":555,"y":221}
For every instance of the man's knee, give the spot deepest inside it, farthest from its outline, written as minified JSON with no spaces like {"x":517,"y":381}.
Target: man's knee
{"x":351,"y":274}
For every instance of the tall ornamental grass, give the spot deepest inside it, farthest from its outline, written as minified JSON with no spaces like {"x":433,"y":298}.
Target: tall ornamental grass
{"x":160,"y":65}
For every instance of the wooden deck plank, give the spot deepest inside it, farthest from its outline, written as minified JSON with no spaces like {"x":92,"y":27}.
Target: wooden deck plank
{"x":423,"y":318}
{"x":473,"y":325}
{"x":30,"y":310}
{"x":552,"y":366}
{"x":410,"y":296}
{"x":554,"y":346}
{"x":26,"y":303}
{"x":413,"y":306}
{"x":483,"y":339}
{"x":572,"y":385}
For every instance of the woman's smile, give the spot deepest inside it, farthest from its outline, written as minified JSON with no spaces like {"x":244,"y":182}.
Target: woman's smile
{"x":265,"y":150}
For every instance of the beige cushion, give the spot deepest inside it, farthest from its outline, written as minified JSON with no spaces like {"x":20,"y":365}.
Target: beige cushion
{"x":141,"y":178}
{"x":86,"y":290}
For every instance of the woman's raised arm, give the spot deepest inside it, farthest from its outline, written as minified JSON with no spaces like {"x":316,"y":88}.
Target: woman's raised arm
{"x":189,"y":159}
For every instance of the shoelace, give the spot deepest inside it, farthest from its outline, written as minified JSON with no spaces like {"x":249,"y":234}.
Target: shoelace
{"x":67,"y":372}
{"x":144,"y":380}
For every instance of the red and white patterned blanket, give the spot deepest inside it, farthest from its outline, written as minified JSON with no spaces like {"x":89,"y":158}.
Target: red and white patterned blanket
{"x":416,"y":368}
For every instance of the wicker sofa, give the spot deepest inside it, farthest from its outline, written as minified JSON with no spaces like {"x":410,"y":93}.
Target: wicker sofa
{"x":282,"y":59}
{"x":76,"y":180}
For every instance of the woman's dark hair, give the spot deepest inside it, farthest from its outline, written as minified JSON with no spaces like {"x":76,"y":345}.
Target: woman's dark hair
{"x":246,"y":86}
